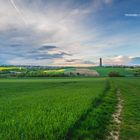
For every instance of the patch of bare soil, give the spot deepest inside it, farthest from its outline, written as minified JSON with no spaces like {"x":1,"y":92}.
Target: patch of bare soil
{"x":115,"y":132}
{"x":85,"y":72}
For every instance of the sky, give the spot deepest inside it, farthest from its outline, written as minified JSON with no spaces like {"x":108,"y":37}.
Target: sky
{"x":69,"y":32}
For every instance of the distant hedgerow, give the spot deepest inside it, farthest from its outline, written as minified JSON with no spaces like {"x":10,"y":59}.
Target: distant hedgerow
{"x":114,"y":74}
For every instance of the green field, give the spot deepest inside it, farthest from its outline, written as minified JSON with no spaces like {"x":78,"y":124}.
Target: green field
{"x":104,"y":71}
{"x":44,"y":109}
{"x":67,"y":108}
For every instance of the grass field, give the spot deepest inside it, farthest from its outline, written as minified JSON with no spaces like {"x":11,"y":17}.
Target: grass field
{"x":44,"y":109}
{"x":104,"y":71}
{"x":67,"y":108}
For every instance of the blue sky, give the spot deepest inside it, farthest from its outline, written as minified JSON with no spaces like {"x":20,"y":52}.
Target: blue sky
{"x":69,"y":32}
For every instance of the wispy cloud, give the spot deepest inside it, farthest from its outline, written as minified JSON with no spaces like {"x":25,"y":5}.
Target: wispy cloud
{"x":47,"y":47}
{"x":122,"y":60}
{"x":132,"y":15}
{"x":118,"y":60}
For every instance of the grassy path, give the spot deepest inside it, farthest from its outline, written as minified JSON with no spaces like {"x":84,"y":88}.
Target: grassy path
{"x":116,"y":119}
{"x":93,"y":125}
{"x":130,"y":118}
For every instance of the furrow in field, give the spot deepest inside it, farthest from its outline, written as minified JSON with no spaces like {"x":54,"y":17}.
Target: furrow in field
{"x":93,"y":124}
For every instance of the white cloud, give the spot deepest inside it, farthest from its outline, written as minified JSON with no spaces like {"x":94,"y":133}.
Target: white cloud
{"x":118,"y":60}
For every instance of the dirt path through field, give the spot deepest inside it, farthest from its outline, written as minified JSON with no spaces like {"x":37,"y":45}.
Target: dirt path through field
{"x":115,"y":133}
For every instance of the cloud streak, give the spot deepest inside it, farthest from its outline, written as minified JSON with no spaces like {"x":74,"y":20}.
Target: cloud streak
{"x":18,"y":11}
{"x":47,"y":47}
{"x":132,"y":15}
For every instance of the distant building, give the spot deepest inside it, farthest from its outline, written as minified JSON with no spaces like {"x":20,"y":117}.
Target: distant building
{"x":100,"y":62}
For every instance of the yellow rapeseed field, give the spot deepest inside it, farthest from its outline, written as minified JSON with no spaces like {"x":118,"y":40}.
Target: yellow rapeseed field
{"x":7,"y":68}
{"x":54,"y":71}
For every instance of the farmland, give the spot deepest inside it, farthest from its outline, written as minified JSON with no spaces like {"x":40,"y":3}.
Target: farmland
{"x":44,"y":109}
{"x":38,"y":71}
{"x":104,"y":71}
{"x":67,"y":108}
